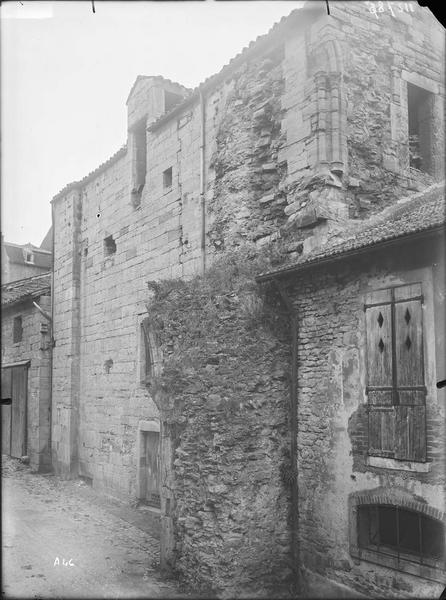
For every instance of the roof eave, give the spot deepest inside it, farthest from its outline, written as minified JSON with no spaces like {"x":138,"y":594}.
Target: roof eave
{"x":320,"y":262}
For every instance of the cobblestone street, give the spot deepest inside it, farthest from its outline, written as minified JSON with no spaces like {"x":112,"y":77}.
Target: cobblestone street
{"x":60,"y":539}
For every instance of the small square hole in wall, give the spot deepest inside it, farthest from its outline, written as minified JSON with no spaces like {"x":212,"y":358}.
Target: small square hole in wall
{"x":109,"y":245}
{"x":167,"y":178}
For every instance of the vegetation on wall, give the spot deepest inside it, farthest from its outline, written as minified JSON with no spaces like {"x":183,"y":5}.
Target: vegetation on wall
{"x":223,"y":395}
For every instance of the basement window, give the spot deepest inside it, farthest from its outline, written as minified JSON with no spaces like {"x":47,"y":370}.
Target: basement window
{"x":407,"y":535}
{"x":167,"y":178}
{"x":109,"y":246}
{"x":17,"y":330}
{"x":420,"y":117}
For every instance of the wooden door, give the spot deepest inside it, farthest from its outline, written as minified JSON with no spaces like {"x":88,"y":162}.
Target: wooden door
{"x":152,"y":467}
{"x":6,"y":410}
{"x":14,"y":405}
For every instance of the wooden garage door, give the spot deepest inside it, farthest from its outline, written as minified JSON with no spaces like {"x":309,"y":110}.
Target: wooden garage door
{"x":14,"y":404}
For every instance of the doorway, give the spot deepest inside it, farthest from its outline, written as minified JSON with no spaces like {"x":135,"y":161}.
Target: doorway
{"x":149,"y":471}
{"x":14,"y":409}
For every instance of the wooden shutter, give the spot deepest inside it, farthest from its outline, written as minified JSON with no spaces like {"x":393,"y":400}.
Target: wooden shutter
{"x":380,"y":385}
{"x":410,"y":413}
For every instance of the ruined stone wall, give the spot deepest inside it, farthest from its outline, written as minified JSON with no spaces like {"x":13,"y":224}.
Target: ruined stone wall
{"x":35,"y":347}
{"x":332,"y":420}
{"x":223,"y":397}
{"x":346,"y":119}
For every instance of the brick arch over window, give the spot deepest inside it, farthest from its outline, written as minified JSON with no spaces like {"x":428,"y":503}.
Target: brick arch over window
{"x":396,"y":497}
{"x":395,"y":529}
{"x":329,"y":119}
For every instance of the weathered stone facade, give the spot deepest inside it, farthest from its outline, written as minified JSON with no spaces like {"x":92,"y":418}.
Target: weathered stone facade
{"x":33,"y":351}
{"x":223,"y":396}
{"x":304,"y":131}
{"x":333,"y":461}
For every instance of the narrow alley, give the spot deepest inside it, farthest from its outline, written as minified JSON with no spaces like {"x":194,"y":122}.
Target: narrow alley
{"x":60,"y":539}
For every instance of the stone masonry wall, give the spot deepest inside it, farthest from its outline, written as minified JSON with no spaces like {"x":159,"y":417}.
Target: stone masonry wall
{"x":305,"y":132}
{"x":223,"y":398}
{"x":332,"y":422}
{"x":346,"y":119}
{"x":35,"y":347}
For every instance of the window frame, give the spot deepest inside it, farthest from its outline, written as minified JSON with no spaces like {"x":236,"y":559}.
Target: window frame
{"x":168,"y":179}
{"x":17,"y":326}
{"x":426,"y":97}
{"x":403,"y":500}
{"x":146,"y":354}
{"x":398,"y":550}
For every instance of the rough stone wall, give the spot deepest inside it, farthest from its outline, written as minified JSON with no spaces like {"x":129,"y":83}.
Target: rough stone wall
{"x":223,"y":397}
{"x":35,"y":347}
{"x":245,"y":201}
{"x":297,"y":138}
{"x":346,"y":120}
{"x":332,"y":428}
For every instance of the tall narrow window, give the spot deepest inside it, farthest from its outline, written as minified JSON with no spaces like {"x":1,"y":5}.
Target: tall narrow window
{"x":109,"y":245}
{"x":139,"y":166}
{"x":420,"y":117}
{"x":146,"y":354}
{"x":167,"y":178}
{"x":395,"y":372}
{"x":17,"y":330}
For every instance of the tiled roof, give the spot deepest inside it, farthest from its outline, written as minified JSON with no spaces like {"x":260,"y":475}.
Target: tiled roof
{"x":159,"y":78}
{"x":47,"y":242}
{"x":416,"y":213}
{"x":31,"y":287}
{"x":42,"y":258}
{"x":102,"y":167}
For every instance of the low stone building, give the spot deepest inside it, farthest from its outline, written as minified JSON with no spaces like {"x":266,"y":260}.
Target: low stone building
{"x":312,"y":130}
{"x":26,"y":370}
{"x":370,"y":348}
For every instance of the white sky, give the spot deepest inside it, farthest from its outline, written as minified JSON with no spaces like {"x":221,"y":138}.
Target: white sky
{"x":66,"y":74}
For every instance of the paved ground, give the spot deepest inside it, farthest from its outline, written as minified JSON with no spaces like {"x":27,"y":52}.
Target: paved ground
{"x":62,"y":540}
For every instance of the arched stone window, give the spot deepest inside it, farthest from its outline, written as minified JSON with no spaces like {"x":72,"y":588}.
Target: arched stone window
{"x":393,"y":529}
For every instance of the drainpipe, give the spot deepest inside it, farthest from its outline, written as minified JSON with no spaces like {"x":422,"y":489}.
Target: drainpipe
{"x":202,"y":184}
{"x":294,"y":324}
{"x":52,"y":342}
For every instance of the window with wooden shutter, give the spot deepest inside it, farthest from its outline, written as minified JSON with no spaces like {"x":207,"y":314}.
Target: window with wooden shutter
{"x":395,"y":373}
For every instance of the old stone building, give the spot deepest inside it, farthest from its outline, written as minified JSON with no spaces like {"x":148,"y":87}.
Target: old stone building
{"x":26,"y":370}
{"x":370,"y":420}
{"x":306,"y":136}
{"x":25,"y":260}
